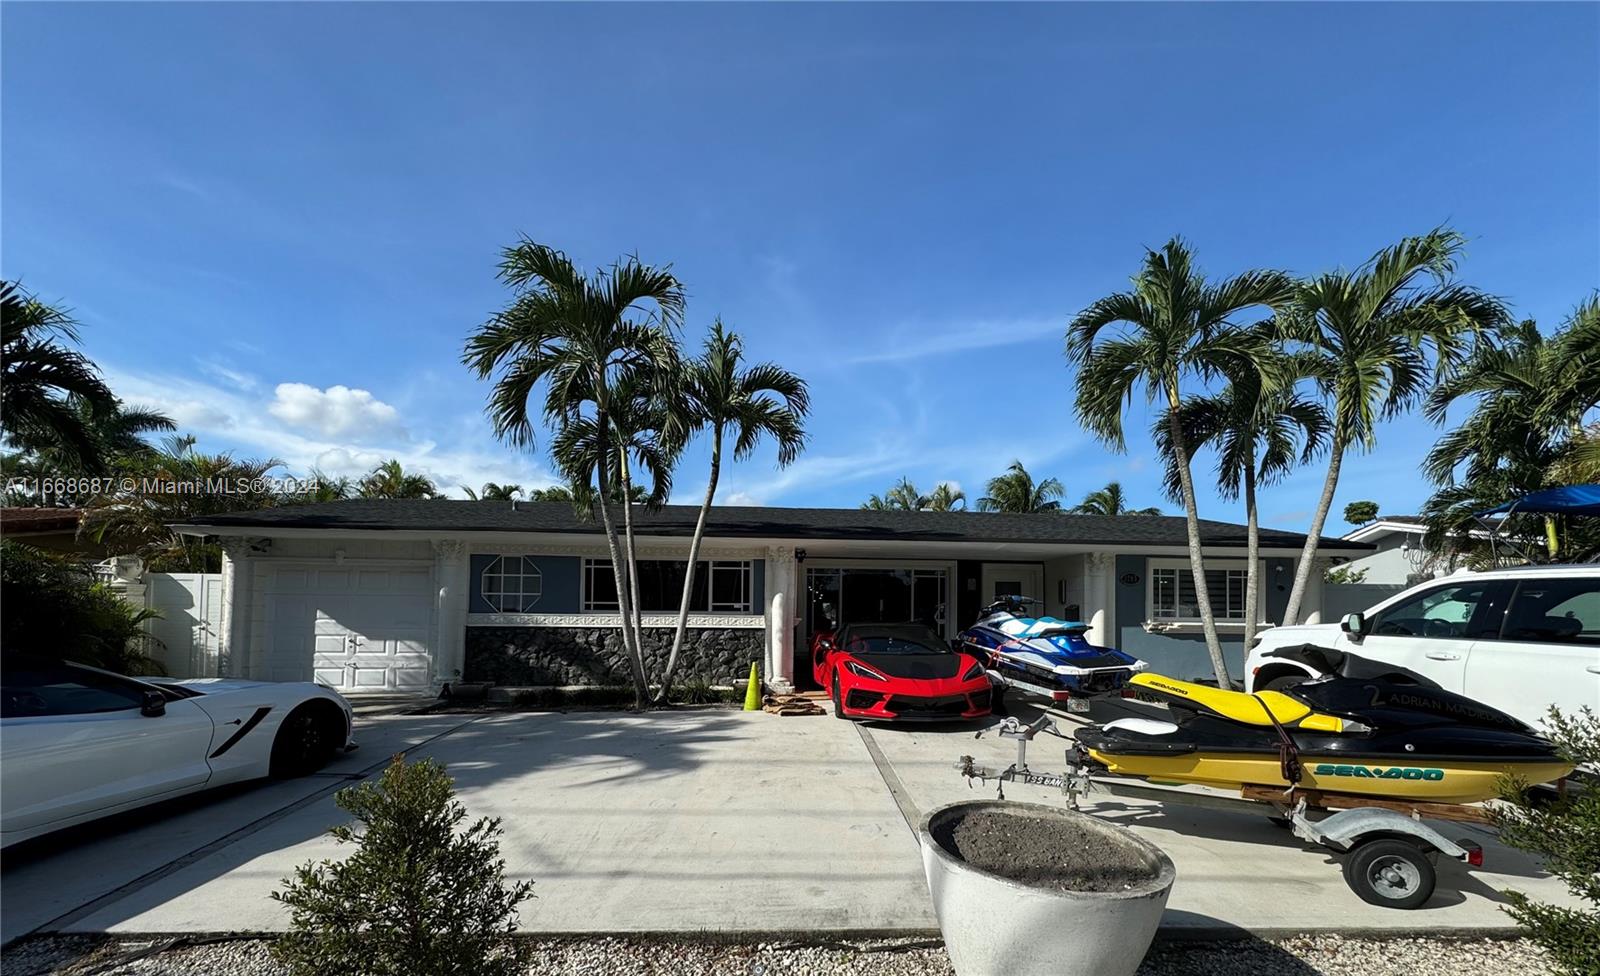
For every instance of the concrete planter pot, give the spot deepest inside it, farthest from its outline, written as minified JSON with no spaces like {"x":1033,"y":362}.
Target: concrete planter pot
{"x":996,"y":926}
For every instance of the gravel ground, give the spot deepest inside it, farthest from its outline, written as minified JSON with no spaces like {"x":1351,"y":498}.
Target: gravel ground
{"x":1302,"y":956}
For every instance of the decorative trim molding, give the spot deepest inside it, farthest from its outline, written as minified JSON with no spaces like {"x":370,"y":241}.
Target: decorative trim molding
{"x":449,"y":551}
{"x":698,"y":621}
{"x":601,"y":551}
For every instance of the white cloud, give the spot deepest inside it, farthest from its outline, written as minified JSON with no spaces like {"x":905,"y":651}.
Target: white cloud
{"x":228,"y":418}
{"x":918,"y":342}
{"x":739,"y":498}
{"x":239,"y":379}
{"x":337,"y":411}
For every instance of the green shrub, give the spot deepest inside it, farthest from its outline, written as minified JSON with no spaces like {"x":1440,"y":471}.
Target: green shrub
{"x":55,"y":608}
{"x":418,"y":897}
{"x":1565,"y":834}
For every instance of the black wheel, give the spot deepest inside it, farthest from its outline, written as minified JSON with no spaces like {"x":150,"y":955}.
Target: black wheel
{"x":306,"y":741}
{"x":997,"y":701}
{"x":1391,"y":873}
{"x":1283,"y":681}
{"x":838,"y":704}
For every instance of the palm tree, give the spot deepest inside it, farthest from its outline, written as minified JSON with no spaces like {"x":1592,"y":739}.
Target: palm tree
{"x":750,"y":403}
{"x":1016,"y":491}
{"x":329,"y":488}
{"x":903,"y":497}
{"x":1525,"y":432}
{"x":1259,"y":434}
{"x":47,"y":388}
{"x":492,"y":492}
{"x":1109,"y":501}
{"x":166,"y":480}
{"x":391,"y":480}
{"x":946,"y":498}
{"x":1177,"y":327}
{"x":1375,"y":338}
{"x":117,"y":442}
{"x":583,"y":338}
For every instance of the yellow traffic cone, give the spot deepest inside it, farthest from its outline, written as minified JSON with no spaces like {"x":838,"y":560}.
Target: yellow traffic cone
{"x":752,"y":692}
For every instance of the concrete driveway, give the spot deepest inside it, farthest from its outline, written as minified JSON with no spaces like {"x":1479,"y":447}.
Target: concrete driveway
{"x":699,"y":820}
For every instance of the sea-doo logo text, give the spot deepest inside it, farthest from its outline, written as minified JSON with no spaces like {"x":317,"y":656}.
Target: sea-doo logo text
{"x":1378,"y":772}
{"x":1168,"y":688}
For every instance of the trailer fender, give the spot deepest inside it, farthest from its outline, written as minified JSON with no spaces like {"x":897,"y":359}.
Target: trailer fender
{"x":1348,"y":828}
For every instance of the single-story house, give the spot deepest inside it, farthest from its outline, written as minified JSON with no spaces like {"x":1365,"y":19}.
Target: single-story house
{"x":1399,"y":557}
{"x":405,"y":595}
{"x":54,"y":529}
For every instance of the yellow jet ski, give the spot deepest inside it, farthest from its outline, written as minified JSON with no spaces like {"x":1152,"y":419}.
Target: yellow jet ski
{"x":1377,"y":737}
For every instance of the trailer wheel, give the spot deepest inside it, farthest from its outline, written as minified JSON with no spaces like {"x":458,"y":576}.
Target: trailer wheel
{"x":997,"y":701}
{"x":1392,"y":873}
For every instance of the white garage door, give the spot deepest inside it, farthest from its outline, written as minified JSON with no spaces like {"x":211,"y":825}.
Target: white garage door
{"x":351,"y":628}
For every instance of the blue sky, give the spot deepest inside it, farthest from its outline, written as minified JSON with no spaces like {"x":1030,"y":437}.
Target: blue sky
{"x":279,"y":221}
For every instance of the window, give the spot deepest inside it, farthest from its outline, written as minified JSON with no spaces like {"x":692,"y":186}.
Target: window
{"x":1462,"y":610}
{"x":512,"y":584}
{"x":46,"y":689}
{"x":1172,"y":593}
{"x":1555,"y":611}
{"x":720,"y":586}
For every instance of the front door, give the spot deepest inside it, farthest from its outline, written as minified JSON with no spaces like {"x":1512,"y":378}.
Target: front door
{"x":1013,"y":579}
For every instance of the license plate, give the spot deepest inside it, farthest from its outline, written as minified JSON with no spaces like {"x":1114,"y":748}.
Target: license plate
{"x":1080,"y":705}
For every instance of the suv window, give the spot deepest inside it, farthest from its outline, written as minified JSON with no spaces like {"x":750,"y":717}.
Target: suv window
{"x":1460,"y":610}
{"x":1555,"y":611}
{"x":34,"y":690}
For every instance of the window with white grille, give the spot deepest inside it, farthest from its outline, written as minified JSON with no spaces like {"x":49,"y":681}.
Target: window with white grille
{"x":1172,"y":592}
{"x":512,"y":584}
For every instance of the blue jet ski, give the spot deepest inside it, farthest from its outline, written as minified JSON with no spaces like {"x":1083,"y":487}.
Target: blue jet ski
{"x":1045,"y":656}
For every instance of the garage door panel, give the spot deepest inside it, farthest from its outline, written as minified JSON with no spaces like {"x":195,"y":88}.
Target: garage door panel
{"x":352,"y":628}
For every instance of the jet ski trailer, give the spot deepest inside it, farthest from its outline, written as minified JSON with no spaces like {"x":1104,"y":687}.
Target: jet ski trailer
{"x":1387,"y":852}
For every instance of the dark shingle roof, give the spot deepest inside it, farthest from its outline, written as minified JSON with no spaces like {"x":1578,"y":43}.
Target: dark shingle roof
{"x":734,"y":521}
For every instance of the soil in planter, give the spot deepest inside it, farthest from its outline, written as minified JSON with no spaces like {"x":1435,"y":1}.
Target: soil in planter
{"x":1044,"y":852}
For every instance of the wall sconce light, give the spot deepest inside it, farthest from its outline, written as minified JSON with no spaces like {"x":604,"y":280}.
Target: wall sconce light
{"x":799,"y":555}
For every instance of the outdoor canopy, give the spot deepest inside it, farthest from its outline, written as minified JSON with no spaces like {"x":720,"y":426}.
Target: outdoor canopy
{"x":1572,"y":500}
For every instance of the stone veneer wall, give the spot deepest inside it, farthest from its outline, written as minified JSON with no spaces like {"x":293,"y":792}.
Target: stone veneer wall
{"x":595,"y":656}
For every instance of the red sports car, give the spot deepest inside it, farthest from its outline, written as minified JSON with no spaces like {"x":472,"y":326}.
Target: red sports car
{"x":898,"y":671}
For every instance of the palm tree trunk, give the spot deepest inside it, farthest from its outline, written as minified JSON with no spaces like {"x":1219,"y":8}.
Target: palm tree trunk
{"x":618,"y":571}
{"x":688,"y":577}
{"x":1308,"y":555}
{"x":635,"y":620}
{"x":1197,"y":564}
{"x":1252,"y":555}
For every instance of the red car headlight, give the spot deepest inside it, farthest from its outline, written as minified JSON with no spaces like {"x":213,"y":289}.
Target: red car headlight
{"x":863,"y":671}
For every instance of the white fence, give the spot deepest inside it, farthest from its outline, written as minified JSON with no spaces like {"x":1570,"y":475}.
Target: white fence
{"x":190,"y":626}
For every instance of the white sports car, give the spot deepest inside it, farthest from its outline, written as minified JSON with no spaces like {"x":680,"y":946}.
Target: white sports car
{"x":77,"y":743}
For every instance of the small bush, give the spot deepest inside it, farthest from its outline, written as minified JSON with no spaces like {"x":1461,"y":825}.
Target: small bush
{"x":417,"y":897}
{"x":1566,"y":836}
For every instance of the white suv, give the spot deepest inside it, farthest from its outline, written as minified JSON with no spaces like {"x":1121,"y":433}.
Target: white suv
{"x":1521,"y":639}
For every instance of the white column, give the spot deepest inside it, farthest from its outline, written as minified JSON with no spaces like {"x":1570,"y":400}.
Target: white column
{"x":1098,"y":593}
{"x":783,"y":603}
{"x":450,"y":575}
{"x":234,"y":658}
